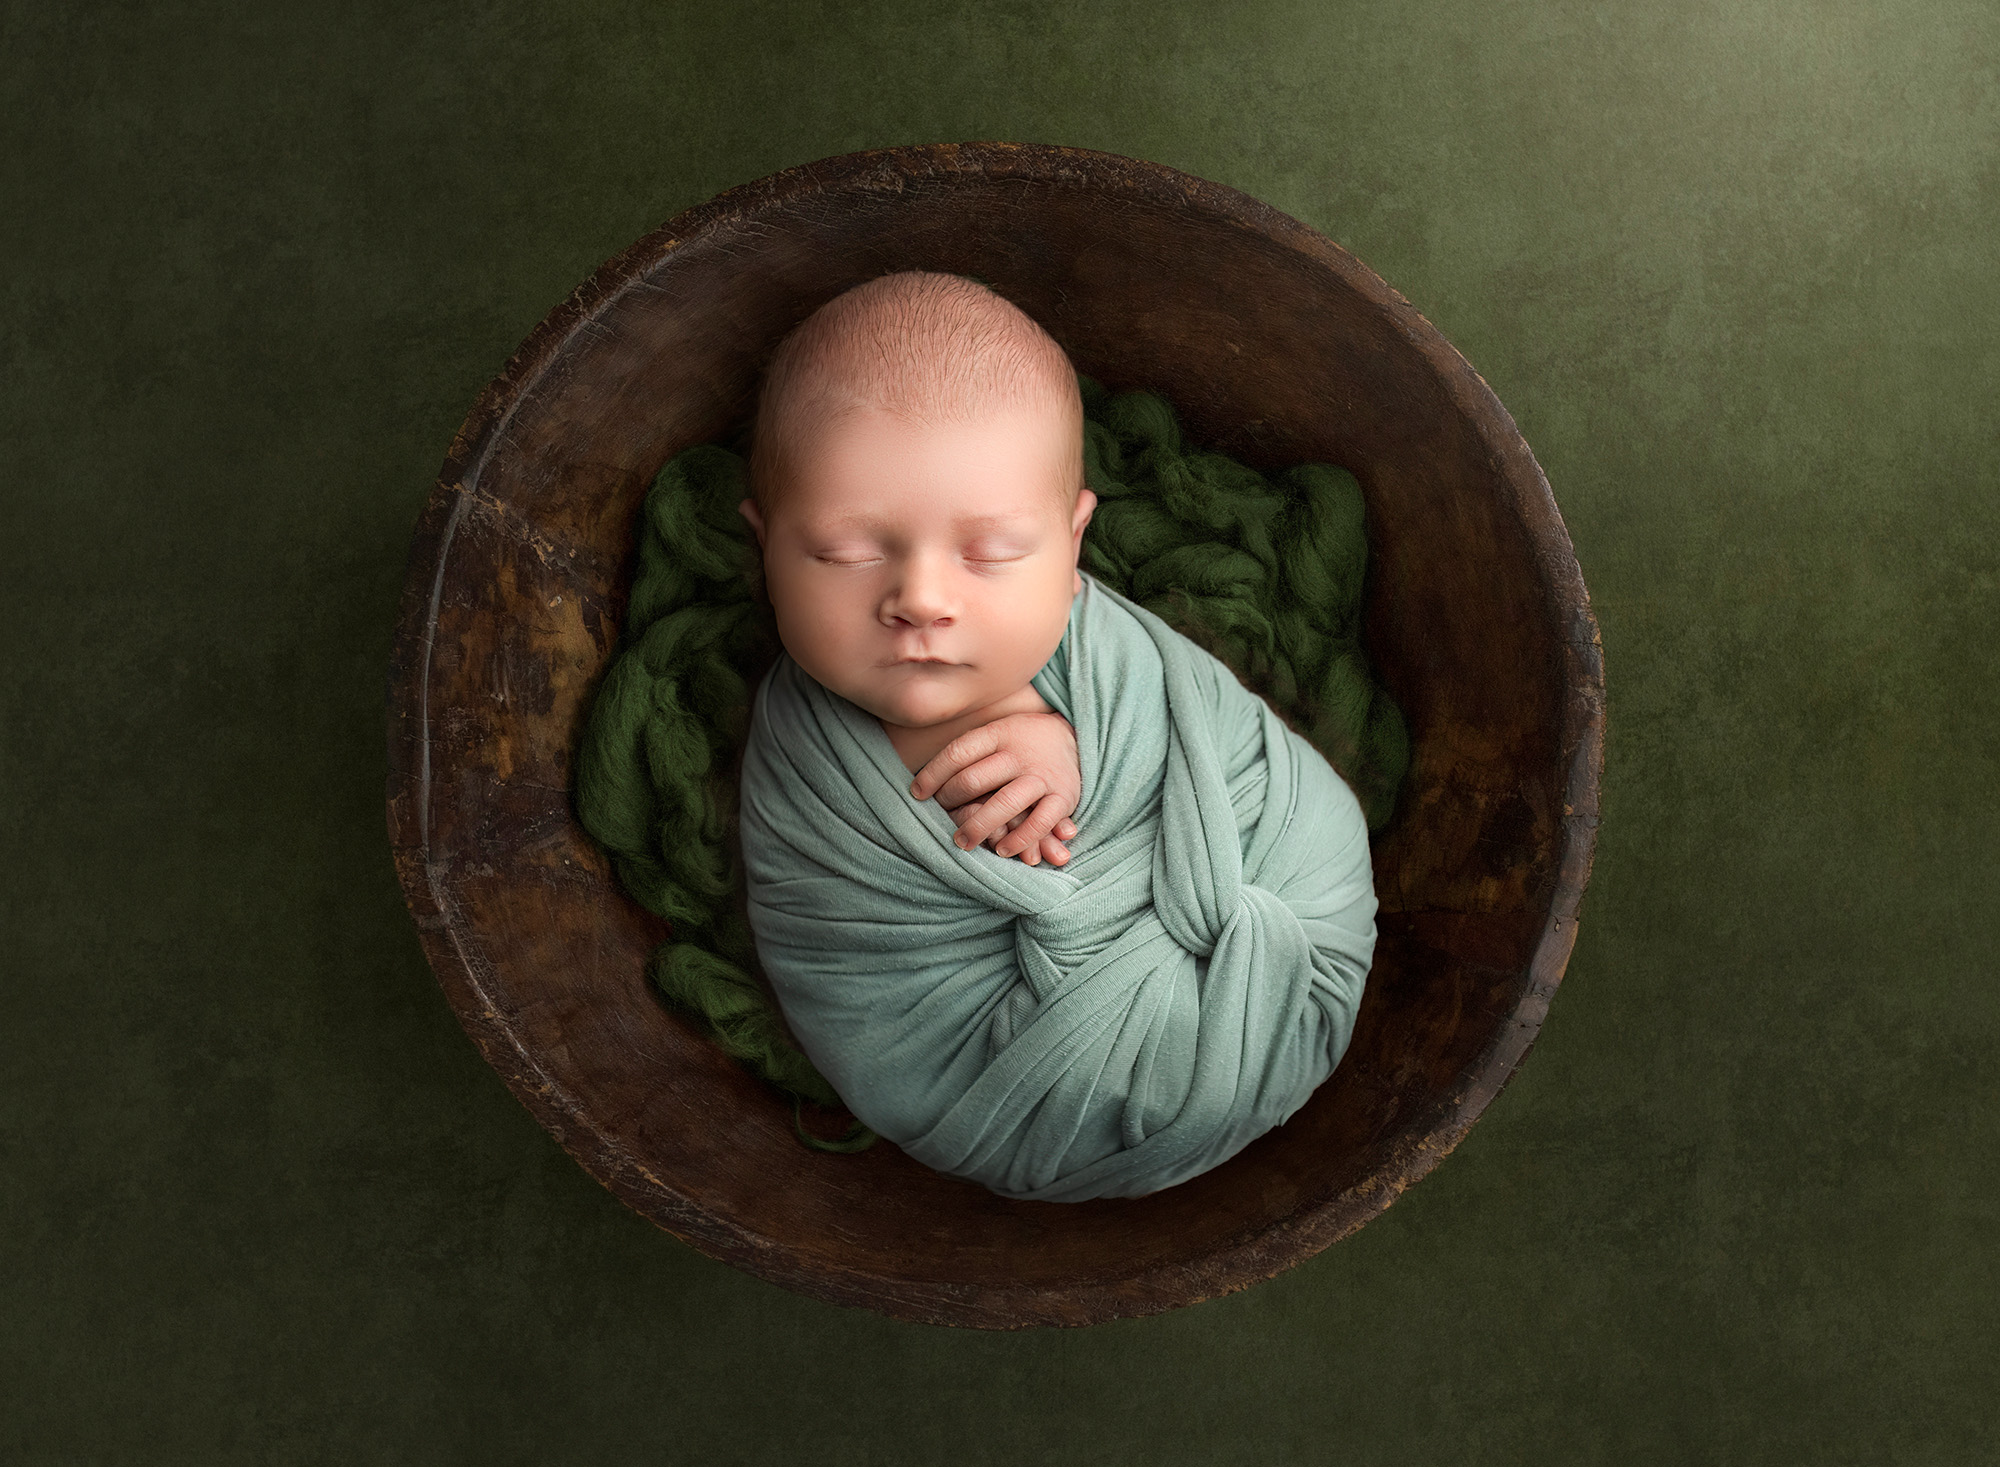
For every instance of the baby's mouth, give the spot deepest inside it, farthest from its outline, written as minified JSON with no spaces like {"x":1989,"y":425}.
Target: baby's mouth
{"x":913,"y":654}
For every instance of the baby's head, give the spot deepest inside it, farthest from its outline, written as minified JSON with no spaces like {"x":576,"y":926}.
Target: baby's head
{"x":916,"y":475}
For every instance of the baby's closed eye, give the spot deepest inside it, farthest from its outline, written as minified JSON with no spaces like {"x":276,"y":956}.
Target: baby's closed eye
{"x":996,"y":552}
{"x":846,"y":554}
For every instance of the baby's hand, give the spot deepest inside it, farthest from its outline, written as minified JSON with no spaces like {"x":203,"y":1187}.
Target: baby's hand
{"x":1012,"y":782}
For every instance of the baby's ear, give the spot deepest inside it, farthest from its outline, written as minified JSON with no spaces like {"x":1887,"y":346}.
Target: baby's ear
{"x":1086,"y":504}
{"x":748,"y":509}
{"x":1079,"y":520}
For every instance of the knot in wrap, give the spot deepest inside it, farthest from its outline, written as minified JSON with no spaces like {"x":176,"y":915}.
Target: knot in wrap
{"x":1103,"y":1029}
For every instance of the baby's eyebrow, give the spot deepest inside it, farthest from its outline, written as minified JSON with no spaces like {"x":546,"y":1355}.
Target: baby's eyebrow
{"x":863,"y":520}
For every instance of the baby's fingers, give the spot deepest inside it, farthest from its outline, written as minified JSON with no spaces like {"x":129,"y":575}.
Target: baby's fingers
{"x":966,"y":749}
{"x":994,"y":813}
{"x":1052,"y":848}
{"x":994,"y":772}
{"x":1026,"y":837}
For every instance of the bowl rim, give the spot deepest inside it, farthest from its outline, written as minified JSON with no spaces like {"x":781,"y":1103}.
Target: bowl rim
{"x":1258,"y":1252}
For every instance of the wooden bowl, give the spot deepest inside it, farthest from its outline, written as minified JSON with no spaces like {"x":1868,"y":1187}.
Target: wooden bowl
{"x":1276,"y":346}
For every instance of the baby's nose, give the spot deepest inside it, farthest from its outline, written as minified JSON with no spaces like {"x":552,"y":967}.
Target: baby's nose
{"x":914,"y":612}
{"x":921,"y":598}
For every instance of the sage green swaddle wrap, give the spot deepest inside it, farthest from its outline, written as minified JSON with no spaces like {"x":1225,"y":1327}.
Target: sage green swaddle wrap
{"x":1102,"y":1029}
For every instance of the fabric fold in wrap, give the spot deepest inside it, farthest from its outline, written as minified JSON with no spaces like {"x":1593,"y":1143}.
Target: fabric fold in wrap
{"x":1103,"y":1029}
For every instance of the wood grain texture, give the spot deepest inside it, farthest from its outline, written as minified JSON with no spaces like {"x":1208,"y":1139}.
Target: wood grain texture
{"x":1275,"y":345}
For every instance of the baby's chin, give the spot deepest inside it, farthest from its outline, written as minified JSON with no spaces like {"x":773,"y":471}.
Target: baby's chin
{"x":920,"y":712}
{"x":916,"y":702}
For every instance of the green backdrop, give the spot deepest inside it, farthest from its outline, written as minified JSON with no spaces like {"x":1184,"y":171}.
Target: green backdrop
{"x":1732,"y":266}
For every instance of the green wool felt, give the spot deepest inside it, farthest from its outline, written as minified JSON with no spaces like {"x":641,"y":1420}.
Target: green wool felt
{"x":1264,"y":572}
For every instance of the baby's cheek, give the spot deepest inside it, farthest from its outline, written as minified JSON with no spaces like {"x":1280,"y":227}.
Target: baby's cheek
{"x":818,"y":639}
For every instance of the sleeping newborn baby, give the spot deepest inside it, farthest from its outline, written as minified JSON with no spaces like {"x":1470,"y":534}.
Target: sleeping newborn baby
{"x":1047,"y":895}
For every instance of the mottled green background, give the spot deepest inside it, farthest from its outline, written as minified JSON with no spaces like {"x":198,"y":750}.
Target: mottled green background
{"x":1733,"y":266}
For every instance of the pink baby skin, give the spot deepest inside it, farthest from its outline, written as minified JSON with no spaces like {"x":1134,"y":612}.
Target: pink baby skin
{"x":917,"y":492}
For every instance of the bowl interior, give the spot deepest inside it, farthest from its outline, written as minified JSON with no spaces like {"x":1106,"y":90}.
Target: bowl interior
{"x":1274,"y":346}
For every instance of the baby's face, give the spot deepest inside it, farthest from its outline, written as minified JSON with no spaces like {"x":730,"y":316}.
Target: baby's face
{"x":926,"y":572}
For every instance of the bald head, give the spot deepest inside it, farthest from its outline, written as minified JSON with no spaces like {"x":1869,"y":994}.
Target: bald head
{"x":928,"y":347}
